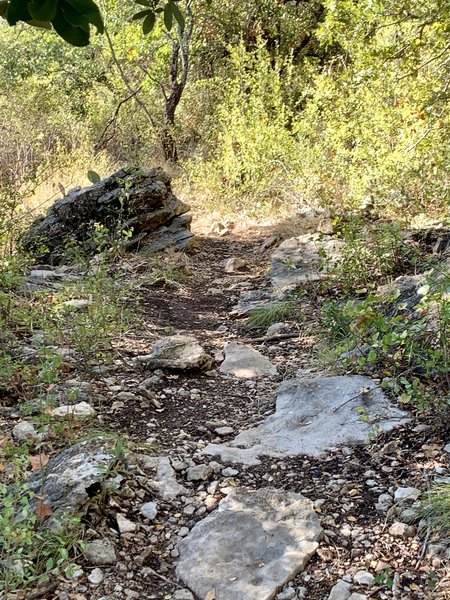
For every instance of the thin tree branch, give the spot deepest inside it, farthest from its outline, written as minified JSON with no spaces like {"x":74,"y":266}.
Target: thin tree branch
{"x":126,"y":81}
{"x":114,"y":117}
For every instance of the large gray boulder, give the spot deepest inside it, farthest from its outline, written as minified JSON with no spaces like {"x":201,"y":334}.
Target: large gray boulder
{"x":252,"y":545}
{"x":312,"y":416}
{"x":140,"y":200}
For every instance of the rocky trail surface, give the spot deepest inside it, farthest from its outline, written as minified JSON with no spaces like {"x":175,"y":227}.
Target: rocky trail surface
{"x":247,"y":472}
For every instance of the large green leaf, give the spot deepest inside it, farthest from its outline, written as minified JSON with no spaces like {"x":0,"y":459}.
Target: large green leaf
{"x":177,"y":14}
{"x":75,"y":18}
{"x":149,"y":23}
{"x":90,"y":10}
{"x":168,"y":16}
{"x":93,"y":177}
{"x":76,"y":36}
{"x":141,"y":15}
{"x":18,"y":11}
{"x":43,"y":10}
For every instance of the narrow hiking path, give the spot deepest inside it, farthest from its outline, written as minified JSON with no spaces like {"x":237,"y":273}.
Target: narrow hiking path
{"x":360,"y":493}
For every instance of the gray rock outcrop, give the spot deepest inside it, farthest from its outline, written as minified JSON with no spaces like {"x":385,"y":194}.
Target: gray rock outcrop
{"x":72,"y":477}
{"x":252,"y":545}
{"x":137,"y":200}
{"x":313,"y":415}
{"x":304,"y":258}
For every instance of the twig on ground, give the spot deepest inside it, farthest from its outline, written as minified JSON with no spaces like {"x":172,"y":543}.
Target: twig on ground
{"x":273,"y":338}
{"x":43,"y":591}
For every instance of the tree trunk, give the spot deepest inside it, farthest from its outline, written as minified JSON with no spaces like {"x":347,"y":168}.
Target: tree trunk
{"x":179,"y":69}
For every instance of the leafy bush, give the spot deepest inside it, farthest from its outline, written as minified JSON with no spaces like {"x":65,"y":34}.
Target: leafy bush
{"x":372,"y":253}
{"x":250,"y":162}
{"x":407,"y":346}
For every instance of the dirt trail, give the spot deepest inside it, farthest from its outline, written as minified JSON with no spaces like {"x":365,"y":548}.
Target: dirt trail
{"x":190,"y":293}
{"x":193,"y":405}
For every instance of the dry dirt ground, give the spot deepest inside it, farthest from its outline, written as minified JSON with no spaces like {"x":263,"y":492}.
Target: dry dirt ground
{"x":189,"y":407}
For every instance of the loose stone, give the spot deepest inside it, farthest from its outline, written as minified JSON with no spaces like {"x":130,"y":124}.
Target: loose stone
{"x":100,"y":552}
{"x":95,"y":576}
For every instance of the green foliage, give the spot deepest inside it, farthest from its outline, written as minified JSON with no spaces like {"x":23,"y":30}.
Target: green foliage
{"x":249,"y":166}
{"x":71,"y":19}
{"x":437,"y":507}
{"x":30,"y":551}
{"x":371,"y":254}
{"x":407,"y":346}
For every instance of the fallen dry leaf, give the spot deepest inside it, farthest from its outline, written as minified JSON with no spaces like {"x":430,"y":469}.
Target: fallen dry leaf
{"x":211,"y":595}
{"x":42,"y":509}
{"x":38,"y":461}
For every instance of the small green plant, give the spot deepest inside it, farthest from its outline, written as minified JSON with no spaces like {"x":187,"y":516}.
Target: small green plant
{"x":265,"y":316}
{"x":30,"y":551}
{"x":437,"y":508}
{"x":335,"y":321}
{"x":406,"y":345}
{"x":385,"y":578}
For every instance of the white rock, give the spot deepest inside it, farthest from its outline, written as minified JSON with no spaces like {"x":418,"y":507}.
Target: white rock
{"x":244,"y":362}
{"x":24,"y":430}
{"x":78,"y":411}
{"x":300,"y":259}
{"x":79,"y":304}
{"x":100,"y":552}
{"x":224,"y":430}
{"x":124,"y":524}
{"x":178,"y":352}
{"x":96,"y":576}
{"x":274,"y":329}
{"x":182,"y":595}
{"x":401,"y":530}
{"x":364,"y":578}
{"x":199,"y":473}
{"x":69,"y":476}
{"x":164,"y":482}
{"x":45,"y":274}
{"x":149,"y":510}
{"x":447,"y":448}
{"x":231,"y":265}
{"x":384,"y":503}
{"x":311,"y":416}
{"x":404,"y":494}
{"x":340,"y":591}
{"x":287,"y":594}
{"x":356,"y":596}
{"x":230,"y":472}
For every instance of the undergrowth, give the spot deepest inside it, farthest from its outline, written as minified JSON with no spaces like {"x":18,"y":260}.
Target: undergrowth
{"x":437,"y":508}
{"x":265,"y":316}
{"x":46,"y":335}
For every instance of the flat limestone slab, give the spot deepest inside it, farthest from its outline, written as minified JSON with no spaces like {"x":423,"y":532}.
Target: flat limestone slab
{"x":313,"y":415}
{"x":252,"y":545}
{"x":244,"y":362}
